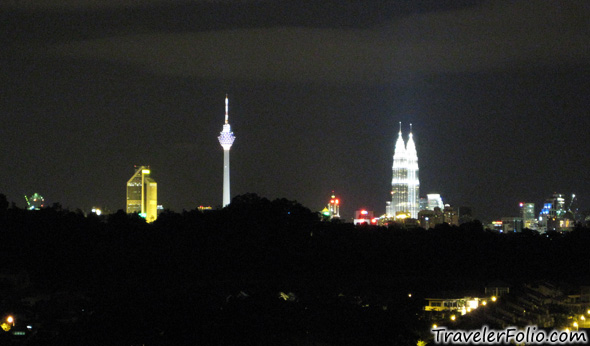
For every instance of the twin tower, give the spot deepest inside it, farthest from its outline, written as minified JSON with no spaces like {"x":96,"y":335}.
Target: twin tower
{"x":405,"y":185}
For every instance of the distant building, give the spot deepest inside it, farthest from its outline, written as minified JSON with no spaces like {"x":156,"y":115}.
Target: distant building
{"x":430,"y":218}
{"x":142,"y":194}
{"x":465,"y":214}
{"x":334,"y":207}
{"x":450,"y":215}
{"x":527,"y":213}
{"x":497,"y":289}
{"x":463,"y":305}
{"x":512,"y":224}
{"x":554,"y":216}
{"x":35,"y":202}
{"x":364,"y":217}
{"x":495,"y":226}
{"x":434,"y":201}
{"x":423,"y":203}
{"x":405,"y":184}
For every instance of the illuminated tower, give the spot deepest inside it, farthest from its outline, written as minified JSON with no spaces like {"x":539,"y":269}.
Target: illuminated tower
{"x":142,"y":194}
{"x":413,"y":180}
{"x":405,"y":184}
{"x":334,"y":206}
{"x":226,"y":139}
{"x":399,"y":186}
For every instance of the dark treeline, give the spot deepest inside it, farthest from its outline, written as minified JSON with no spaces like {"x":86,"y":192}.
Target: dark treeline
{"x":216,"y":277}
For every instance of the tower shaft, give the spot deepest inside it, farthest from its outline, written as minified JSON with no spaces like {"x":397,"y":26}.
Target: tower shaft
{"x":226,"y":194}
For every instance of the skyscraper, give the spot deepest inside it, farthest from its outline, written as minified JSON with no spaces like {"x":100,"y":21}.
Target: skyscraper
{"x":527,"y":213}
{"x":405,"y":184}
{"x":334,"y":206}
{"x":413,"y":181}
{"x":434,"y":200}
{"x":226,"y":139}
{"x":142,"y":194}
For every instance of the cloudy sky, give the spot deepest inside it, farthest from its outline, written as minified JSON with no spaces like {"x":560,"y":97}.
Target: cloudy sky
{"x":497,"y":91}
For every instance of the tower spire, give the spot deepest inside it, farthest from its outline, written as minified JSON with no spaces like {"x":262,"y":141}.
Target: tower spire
{"x":226,"y":109}
{"x":400,"y":127}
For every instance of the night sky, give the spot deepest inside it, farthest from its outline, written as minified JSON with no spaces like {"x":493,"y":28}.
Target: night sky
{"x":498,"y":94}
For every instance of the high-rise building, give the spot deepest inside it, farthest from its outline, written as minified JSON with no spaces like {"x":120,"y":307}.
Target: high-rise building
{"x":434,"y":201}
{"x":527,"y":214}
{"x":142,"y":194}
{"x":334,"y":206}
{"x":405,"y":184}
{"x":226,"y":139}
{"x":554,"y":216}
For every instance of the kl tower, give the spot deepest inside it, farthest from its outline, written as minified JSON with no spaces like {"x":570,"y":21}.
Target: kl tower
{"x":226,"y":139}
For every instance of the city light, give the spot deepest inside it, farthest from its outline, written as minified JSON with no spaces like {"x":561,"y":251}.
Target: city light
{"x":10,"y":319}
{"x":493,"y":298}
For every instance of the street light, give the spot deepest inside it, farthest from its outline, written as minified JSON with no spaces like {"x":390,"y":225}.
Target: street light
{"x":10,"y":320}
{"x":576,"y":325}
{"x":493,"y":298}
{"x":453,"y":317}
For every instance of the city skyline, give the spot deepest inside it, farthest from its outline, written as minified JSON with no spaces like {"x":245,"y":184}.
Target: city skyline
{"x":497,"y":95}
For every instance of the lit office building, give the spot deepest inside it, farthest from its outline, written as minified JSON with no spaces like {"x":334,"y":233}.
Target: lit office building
{"x":434,"y":201}
{"x":142,"y":194}
{"x":554,"y":217}
{"x":527,"y":214}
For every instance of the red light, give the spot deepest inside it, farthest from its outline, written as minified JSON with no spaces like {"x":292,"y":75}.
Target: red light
{"x":521,"y":204}
{"x":374,"y":221}
{"x":337,"y":201}
{"x":364,"y":212}
{"x":332,"y":201}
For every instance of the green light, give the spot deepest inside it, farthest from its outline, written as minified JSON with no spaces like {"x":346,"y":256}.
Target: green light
{"x":143,"y":215}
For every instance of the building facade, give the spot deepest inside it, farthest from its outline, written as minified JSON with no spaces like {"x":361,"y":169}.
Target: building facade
{"x":142,"y":194}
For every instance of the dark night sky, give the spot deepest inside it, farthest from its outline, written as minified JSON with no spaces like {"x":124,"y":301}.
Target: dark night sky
{"x":498,"y":93}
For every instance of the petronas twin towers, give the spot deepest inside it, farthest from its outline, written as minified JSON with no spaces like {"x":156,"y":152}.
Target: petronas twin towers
{"x":405,"y":185}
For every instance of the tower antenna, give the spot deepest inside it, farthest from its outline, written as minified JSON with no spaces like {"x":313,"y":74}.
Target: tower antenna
{"x":226,"y":109}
